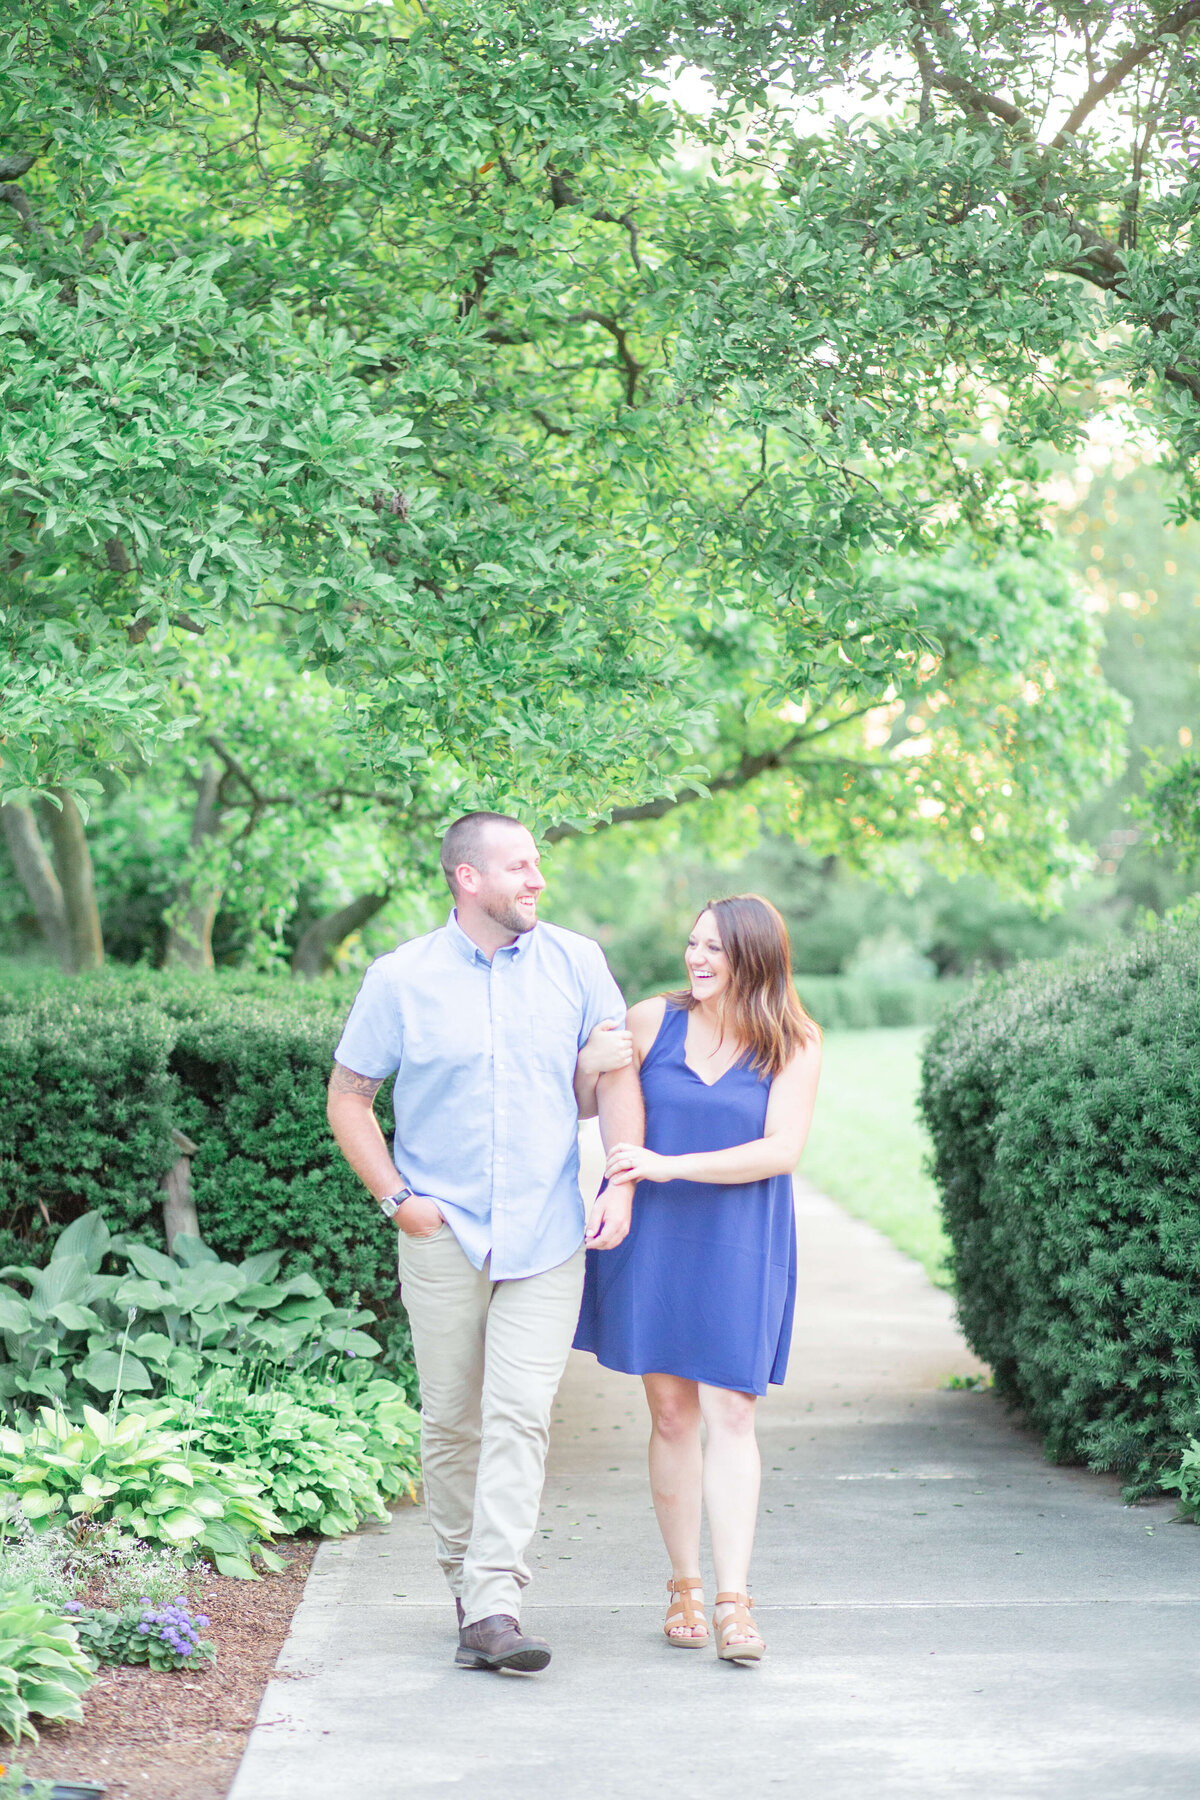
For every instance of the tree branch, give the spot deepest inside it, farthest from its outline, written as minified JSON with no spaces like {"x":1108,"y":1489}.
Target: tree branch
{"x":747,"y":769}
{"x":1114,"y":75}
{"x":259,"y":801}
{"x":312,"y":954}
{"x":548,"y":424}
{"x":633,"y":368}
{"x":562,"y":194}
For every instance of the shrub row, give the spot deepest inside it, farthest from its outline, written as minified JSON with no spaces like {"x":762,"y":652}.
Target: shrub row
{"x":97,"y":1071}
{"x":845,"y":1003}
{"x":1064,"y":1105}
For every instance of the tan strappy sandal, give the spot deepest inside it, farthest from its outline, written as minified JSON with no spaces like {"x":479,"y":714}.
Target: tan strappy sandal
{"x":683,"y":1611}
{"x":751,"y":1648}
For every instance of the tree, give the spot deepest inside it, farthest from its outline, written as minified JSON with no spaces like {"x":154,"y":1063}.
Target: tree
{"x":419,"y":339}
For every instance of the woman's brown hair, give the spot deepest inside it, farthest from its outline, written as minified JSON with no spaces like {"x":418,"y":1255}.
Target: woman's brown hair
{"x":764,"y":1012}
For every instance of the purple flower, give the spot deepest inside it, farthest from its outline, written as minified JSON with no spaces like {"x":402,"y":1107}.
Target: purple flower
{"x":145,"y":1630}
{"x":201,"y":1619}
{"x":145,"y":1600}
{"x":73,"y":1606}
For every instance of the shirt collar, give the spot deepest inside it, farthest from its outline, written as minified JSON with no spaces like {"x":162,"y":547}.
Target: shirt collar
{"x":469,"y":949}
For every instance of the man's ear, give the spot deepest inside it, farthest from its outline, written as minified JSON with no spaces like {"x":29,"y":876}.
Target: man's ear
{"x":468,"y":878}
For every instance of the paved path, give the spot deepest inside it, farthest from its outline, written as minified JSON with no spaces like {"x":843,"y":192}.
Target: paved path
{"x":947,"y":1615}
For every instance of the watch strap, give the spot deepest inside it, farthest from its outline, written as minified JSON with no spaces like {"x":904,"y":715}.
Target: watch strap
{"x":390,"y":1204}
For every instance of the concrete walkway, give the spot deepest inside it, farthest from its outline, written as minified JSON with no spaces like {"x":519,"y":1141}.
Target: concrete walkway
{"x":947,"y":1615}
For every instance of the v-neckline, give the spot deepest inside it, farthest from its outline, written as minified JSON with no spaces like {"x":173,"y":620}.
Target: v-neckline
{"x":709,"y":1084}
{"x":692,"y":1070}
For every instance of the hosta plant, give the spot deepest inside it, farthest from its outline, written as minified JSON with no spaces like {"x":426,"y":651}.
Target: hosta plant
{"x":145,"y":1477}
{"x":1185,"y":1481}
{"x":327,"y":1455}
{"x":163,"y":1324}
{"x":43,"y":1670}
{"x":378,"y":1409}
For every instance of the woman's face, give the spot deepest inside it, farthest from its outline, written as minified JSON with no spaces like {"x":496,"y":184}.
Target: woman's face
{"x":707,"y":963}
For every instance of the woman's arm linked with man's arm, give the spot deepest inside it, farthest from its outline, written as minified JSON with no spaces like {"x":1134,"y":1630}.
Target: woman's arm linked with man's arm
{"x":789,"y":1115}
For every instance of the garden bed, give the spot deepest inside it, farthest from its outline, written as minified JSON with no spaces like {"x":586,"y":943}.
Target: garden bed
{"x":180,"y":1735}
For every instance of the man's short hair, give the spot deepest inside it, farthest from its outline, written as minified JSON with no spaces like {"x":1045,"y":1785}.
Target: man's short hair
{"x":464,"y":842}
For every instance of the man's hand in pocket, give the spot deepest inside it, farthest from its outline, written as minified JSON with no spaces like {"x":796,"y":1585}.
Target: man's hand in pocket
{"x":419,"y":1216}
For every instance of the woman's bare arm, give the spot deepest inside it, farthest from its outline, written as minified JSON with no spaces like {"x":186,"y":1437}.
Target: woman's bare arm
{"x":609,"y":1046}
{"x":789,"y":1115}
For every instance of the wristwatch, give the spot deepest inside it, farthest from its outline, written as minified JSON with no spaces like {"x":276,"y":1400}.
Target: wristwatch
{"x":390,"y":1205}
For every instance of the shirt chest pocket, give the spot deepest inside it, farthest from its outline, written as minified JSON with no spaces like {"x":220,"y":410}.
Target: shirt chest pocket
{"x":551,"y":1034}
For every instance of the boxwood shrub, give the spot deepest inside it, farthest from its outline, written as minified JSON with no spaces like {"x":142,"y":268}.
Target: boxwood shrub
{"x":97,"y":1070}
{"x":1064,"y":1105}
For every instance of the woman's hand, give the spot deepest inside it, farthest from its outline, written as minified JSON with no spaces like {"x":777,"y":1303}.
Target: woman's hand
{"x":630,"y":1162}
{"x":608,"y":1047}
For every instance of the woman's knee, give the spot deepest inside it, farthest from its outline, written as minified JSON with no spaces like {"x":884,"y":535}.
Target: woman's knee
{"x":674,"y":1410}
{"x":729,"y":1413}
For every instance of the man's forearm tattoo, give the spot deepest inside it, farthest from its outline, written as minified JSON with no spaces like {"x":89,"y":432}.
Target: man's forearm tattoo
{"x":345,"y":1081}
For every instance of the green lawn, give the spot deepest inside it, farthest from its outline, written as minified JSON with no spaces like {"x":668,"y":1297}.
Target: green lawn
{"x":867,"y":1146}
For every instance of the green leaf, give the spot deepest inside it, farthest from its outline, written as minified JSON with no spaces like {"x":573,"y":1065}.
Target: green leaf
{"x":104,"y":1369}
{"x":237,"y":1566}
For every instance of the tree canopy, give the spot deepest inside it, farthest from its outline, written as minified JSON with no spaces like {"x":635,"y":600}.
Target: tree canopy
{"x":594,"y":450}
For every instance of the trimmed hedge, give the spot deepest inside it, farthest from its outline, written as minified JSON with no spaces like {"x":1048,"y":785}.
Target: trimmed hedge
{"x":96,"y":1071}
{"x":1064,"y":1105}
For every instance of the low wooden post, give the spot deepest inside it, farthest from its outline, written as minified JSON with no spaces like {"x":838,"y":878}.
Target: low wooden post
{"x":179,"y":1209}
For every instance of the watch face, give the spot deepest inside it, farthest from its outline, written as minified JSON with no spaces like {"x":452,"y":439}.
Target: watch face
{"x":390,"y":1207}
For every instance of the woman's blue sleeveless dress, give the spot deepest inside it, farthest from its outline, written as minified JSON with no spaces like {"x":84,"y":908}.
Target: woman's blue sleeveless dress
{"x":705,"y":1283}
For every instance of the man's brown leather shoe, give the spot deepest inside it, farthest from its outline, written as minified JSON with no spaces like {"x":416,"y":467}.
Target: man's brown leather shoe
{"x":498,"y":1643}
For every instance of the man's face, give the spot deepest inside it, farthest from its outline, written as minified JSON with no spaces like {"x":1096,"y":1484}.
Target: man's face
{"x":507,"y":888}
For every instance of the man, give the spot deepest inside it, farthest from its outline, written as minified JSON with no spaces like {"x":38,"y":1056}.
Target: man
{"x":482,"y":1022}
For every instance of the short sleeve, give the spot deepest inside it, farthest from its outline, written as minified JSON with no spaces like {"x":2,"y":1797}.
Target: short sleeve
{"x":603,"y":999}
{"x":372,"y":1042}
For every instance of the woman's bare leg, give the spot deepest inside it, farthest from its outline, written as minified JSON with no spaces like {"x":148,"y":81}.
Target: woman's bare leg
{"x":732,"y":1476}
{"x":675,"y":1475}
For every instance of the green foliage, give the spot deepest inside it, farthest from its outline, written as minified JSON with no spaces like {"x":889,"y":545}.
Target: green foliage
{"x":87,"y":1112}
{"x":144,"y":1477}
{"x":62,"y":1563}
{"x":326,"y":1456}
{"x":74,"y":1337}
{"x":1064,"y":1104}
{"x":1184,"y":1480}
{"x":867,"y":1148}
{"x":15,"y":1785}
{"x":455,"y":361}
{"x":241,"y":1067}
{"x":841,"y":1003}
{"x":43,"y":1670}
{"x":165,"y":1637}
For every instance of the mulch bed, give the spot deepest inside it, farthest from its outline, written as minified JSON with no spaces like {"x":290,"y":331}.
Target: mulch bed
{"x":177,"y":1735}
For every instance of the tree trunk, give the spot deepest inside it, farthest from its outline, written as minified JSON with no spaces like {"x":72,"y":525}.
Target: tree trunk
{"x":314,"y":952}
{"x":36,"y":874}
{"x":189,"y":940}
{"x":179,"y":1208}
{"x":73,"y":865}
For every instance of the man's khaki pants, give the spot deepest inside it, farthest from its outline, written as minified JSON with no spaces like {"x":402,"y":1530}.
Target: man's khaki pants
{"x":490,"y":1355}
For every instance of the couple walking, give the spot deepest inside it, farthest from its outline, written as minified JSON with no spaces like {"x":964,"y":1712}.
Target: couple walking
{"x":501,"y":1033}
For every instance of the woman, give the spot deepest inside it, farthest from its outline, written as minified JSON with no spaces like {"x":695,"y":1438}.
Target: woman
{"x":698,"y":1299}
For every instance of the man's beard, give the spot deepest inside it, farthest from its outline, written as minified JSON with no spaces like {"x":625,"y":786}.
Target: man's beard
{"x":508,"y":914}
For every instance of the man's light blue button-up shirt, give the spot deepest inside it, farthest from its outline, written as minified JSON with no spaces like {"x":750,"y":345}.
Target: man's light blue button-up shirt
{"x":484,"y":1057}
